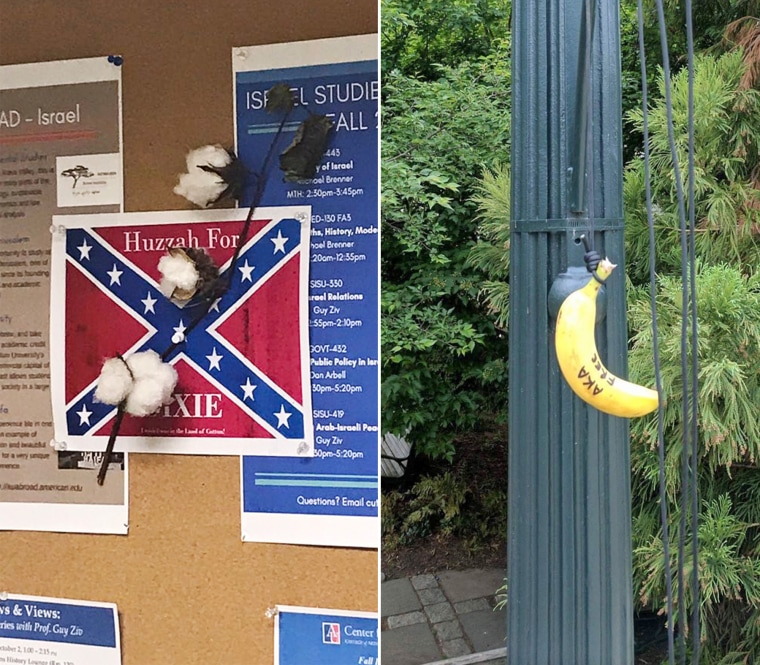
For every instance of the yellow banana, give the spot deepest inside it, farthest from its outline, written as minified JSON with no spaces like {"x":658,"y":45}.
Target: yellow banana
{"x":580,"y":362}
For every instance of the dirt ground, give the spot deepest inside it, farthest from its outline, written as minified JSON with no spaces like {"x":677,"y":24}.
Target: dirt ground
{"x":481,"y":459}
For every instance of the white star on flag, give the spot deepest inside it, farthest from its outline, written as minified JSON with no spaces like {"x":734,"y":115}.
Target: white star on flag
{"x":248,"y":389}
{"x":84,"y":250}
{"x":246,"y":270}
{"x":180,"y":329}
{"x":279,"y":242}
{"x":282,"y":417}
{"x":115,"y":275}
{"x":215,"y":305}
{"x":149,"y":301}
{"x":84,"y":415}
{"x":213,"y":360}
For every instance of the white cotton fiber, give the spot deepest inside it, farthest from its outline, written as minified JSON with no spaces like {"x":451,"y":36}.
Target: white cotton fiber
{"x":200,"y":187}
{"x":207,"y":155}
{"x":114,"y":382}
{"x":179,"y":271}
{"x":154,"y":383}
{"x":166,"y":287}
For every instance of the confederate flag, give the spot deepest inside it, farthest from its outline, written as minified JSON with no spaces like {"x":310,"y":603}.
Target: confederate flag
{"x":243,"y":371}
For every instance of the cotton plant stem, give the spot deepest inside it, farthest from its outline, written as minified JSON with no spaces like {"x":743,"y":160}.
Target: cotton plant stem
{"x":111,"y":443}
{"x":258,"y":193}
{"x":242,"y":237}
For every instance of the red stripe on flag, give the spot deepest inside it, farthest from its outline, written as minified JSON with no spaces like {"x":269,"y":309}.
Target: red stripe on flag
{"x":266,"y":329}
{"x":96,"y":329}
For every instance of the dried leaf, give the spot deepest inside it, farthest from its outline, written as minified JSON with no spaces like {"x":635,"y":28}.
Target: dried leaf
{"x":279,"y":99}
{"x":301,"y":157}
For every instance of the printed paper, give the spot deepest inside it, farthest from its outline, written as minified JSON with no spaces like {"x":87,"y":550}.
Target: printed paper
{"x":54,"y":116}
{"x":243,"y":370}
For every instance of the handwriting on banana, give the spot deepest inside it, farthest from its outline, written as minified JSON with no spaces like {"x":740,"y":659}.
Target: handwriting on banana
{"x":590,"y":382}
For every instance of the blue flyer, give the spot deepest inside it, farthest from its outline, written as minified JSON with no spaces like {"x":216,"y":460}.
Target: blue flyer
{"x":56,"y":631}
{"x":313,"y":636}
{"x":331,"y":498}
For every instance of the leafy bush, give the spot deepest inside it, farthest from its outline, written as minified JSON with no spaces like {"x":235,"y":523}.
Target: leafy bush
{"x":420,"y":35}
{"x":490,"y":255}
{"x":444,"y":505}
{"x":443,"y":359}
{"x":727,"y":205}
{"x":727,"y":182}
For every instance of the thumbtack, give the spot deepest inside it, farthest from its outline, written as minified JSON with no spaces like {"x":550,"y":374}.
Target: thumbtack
{"x":178,"y":338}
{"x":271,"y":612}
{"x":3,"y":595}
{"x":303,"y":448}
{"x":115,"y":60}
{"x":57,"y":445}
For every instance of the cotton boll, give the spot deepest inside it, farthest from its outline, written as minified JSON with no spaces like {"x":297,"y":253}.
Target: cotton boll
{"x":166,"y":287}
{"x":212,"y":173}
{"x":155,"y":381}
{"x":114,"y":382}
{"x":200,"y":187}
{"x":179,"y":270}
{"x":208,"y":155}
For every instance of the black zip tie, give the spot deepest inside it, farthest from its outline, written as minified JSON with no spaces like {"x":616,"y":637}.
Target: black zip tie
{"x":592,"y":259}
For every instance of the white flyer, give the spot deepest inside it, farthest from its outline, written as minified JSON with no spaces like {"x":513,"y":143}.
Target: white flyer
{"x":58,"y":631}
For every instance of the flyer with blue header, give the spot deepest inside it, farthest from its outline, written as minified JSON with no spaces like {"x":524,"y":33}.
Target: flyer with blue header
{"x":332,"y":498}
{"x":315,"y":636}
{"x":56,"y":631}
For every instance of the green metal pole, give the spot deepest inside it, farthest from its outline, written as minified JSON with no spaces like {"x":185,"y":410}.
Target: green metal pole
{"x":569,"y":540}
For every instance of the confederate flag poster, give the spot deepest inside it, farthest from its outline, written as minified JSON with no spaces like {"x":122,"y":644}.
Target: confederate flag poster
{"x":243,"y":370}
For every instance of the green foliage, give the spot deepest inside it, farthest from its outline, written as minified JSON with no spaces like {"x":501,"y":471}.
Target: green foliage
{"x":443,"y":359}
{"x":727,"y":198}
{"x":728,"y":313}
{"x":710,"y":20}
{"x":445,"y":505}
{"x":490,"y":255}
{"x":729,"y":575}
{"x":419,"y":35}
{"x":425,"y":393}
{"x":727,"y":204}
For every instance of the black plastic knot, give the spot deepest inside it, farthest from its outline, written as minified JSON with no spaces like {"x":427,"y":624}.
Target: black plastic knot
{"x":592,"y":260}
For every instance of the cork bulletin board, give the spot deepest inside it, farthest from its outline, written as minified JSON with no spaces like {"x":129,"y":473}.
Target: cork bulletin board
{"x":187,"y":589}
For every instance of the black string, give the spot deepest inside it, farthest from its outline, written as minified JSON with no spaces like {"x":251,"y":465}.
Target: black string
{"x":209,"y":299}
{"x":656,"y":348}
{"x":590,"y":7}
{"x":689,"y":398}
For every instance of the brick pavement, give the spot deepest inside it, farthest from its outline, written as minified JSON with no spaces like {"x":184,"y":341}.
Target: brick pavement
{"x":431,"y":618}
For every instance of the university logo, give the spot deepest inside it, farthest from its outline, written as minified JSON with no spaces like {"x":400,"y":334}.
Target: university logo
{"x":330,"y":633}
{"x":243,"y":370}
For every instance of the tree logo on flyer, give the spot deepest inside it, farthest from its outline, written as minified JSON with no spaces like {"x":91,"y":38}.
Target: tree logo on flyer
{"x":330,"y":633}
{"x":77,"y":172}
{"x":240,"y":369}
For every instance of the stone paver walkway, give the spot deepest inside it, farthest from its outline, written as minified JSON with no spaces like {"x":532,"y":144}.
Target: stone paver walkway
{"x":449,"y":615}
